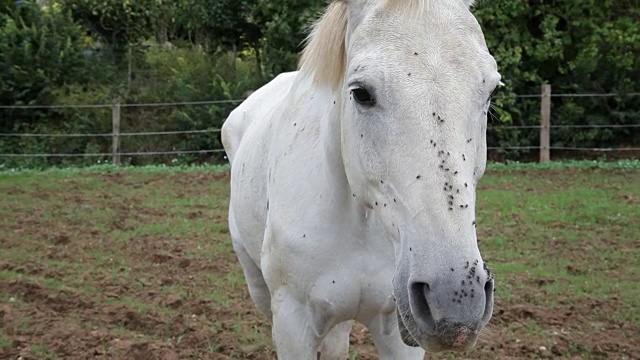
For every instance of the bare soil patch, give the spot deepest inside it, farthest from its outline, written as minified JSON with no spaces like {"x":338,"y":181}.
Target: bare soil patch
{"x":139,"y":266}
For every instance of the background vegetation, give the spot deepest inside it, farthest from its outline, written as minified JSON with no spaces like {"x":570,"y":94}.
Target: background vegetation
{"x":66,"y":52}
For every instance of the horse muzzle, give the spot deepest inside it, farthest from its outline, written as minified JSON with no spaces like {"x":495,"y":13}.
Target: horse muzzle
{"x":445,"y":317}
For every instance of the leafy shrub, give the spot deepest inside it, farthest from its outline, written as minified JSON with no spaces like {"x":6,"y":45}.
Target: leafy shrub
{"x":577,"y":47}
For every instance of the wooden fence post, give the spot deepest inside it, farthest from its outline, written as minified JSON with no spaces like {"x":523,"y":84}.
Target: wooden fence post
{"x":545,"y":123}
{"x":115,"y":117}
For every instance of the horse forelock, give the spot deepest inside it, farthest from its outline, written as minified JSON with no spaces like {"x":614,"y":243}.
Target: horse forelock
{"x":324,"y":55}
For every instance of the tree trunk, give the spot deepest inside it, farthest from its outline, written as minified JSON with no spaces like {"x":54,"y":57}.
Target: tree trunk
{"x":256,"y":48}
{"x":129,"y":67}
{"x":163,"y":31}
{"x":234,"y":48}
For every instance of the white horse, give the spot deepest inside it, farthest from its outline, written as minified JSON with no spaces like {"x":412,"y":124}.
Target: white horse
{"x":353,"y":183}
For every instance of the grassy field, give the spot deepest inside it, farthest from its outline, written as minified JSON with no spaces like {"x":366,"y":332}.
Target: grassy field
{"x":137,"y":264}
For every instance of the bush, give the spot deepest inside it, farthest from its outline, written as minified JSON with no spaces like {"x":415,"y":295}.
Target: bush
{"x":577,"y":47}
{"x":40,"y":51}
{"x":47,"y":59}
{"x":184,"y":75}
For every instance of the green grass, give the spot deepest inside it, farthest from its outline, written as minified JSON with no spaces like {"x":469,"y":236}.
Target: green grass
{"x":40,"y":351}
{"x":108,"y":168}
{"x":578,"y":228}
{"x":5,"y":341}
{"x":560,"y":238}
{"x":625,"y":164}
{"x":23,"y":325}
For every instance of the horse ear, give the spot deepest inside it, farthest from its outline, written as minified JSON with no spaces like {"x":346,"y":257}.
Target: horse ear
{"x":469,"y":3}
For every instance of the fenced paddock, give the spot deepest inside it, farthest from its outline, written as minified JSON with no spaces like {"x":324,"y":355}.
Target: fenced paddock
{"x":121,"y":262}
{"x":209,"y":149}
{"x":136,"y":263}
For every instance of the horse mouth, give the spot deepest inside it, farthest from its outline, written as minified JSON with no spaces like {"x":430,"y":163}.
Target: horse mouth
{"x":462,"y":339}
{"x":405,"y":334}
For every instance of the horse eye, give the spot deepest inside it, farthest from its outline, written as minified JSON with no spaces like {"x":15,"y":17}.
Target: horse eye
{"x":362,"y":96}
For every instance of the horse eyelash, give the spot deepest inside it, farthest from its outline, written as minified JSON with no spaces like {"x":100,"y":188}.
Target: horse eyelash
{"x":493,"y":94}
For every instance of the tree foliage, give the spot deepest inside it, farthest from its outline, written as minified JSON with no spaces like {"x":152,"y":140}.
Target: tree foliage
{"x":117,"y":22}
{"x":590,"y":46}
{"x":39,"y":52}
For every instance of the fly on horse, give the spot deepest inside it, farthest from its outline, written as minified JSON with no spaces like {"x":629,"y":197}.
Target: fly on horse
{"x":353,"y":183}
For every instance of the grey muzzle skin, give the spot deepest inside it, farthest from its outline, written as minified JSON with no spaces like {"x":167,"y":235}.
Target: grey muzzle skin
{"x":447,"y":313}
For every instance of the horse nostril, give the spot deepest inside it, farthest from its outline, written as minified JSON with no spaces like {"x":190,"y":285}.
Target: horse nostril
{"x":488,"y":287}
{"x":488,"y":306}
{"x":420,"y":308}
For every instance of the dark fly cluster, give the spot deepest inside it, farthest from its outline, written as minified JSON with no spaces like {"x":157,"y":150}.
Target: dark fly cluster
{"x":467,"y":287}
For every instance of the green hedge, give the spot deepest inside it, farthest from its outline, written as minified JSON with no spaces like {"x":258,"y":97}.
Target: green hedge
{"x":48,"y":58}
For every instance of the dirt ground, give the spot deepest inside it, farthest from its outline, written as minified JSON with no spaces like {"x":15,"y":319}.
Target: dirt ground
{"x":86,"y":276}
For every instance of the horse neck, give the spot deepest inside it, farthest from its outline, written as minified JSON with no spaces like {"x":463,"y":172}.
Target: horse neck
{"x":317,"y":101}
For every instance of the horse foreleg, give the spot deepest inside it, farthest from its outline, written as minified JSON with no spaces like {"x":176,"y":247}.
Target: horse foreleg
{"x":335,"y":345}
{"x":258,"y":289}
{"x":386,"y":336}
{"x":295,"y":332}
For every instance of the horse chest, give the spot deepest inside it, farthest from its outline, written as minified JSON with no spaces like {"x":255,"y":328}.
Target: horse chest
{"x":335,"y":267}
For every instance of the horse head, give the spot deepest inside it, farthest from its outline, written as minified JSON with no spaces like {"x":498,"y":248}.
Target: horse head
{"x":414,"y":80}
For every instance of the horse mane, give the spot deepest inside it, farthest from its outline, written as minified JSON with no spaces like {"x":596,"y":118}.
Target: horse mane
{"x":324,"y":54}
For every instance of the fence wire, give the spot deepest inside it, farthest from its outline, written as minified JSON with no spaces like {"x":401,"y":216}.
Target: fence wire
{"x":235,"y":101}
{"x":564,"y":148}
{"x":604,"y":126}
{"x":112,"y":134}
{"x":179,"y":152}
{"x":204,"y":131}
{"x":529,"y":96}
{"x":94,"y":106}
{"x":150,"y":153}
{"x":211,"y":102}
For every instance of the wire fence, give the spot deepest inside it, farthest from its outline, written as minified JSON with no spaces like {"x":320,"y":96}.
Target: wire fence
{"x":149,"y":153}
{"x":564,"y":148}
{"x":111,"y":134}
{"x":203,"y":152}
{"x":97,"y":106}
{"x":212,"y":151}
{"x":530,"y":96}
{"x":118,"y":153}
{"x":204,"y":131}
{"x":237,"y":101}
